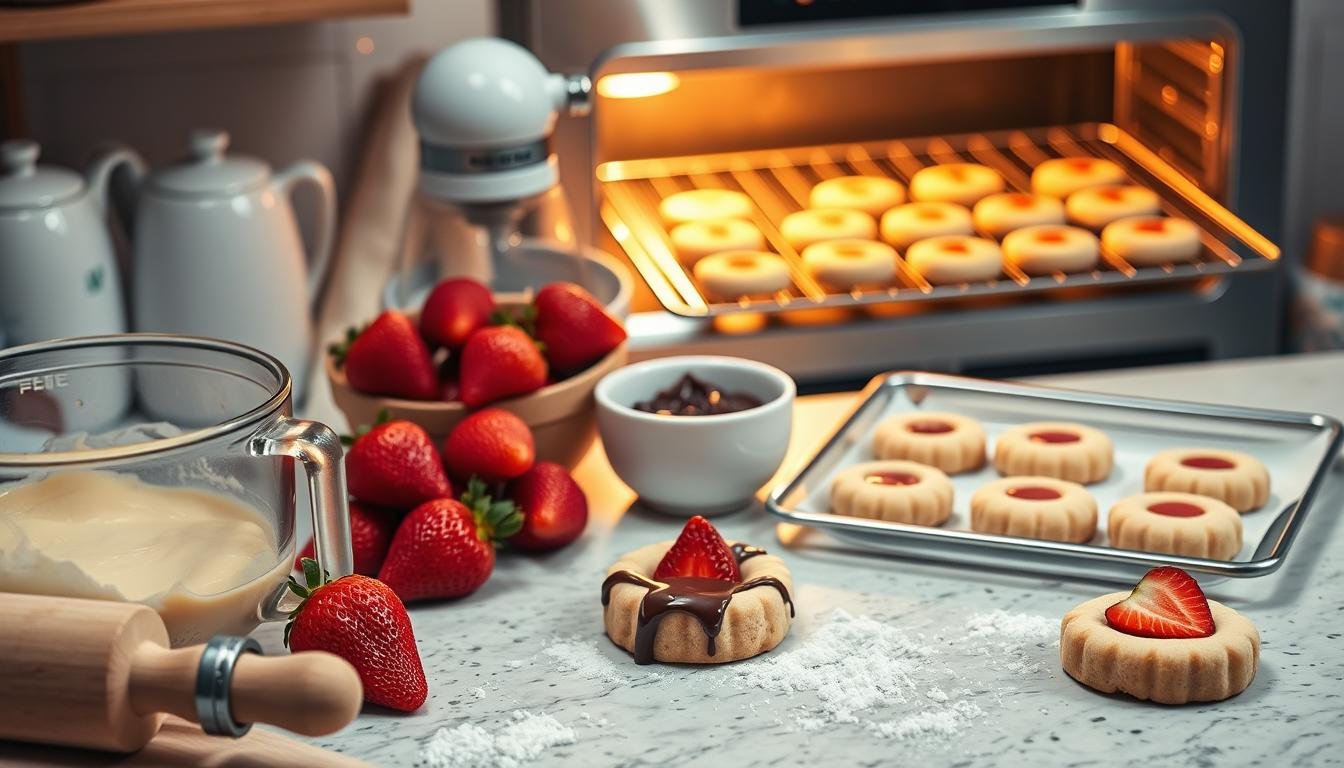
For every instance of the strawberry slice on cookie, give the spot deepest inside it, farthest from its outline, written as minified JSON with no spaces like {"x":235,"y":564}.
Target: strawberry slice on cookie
{"x":1167,"y":603}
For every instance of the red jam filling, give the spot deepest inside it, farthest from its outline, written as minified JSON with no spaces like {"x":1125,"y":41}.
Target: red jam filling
{"x":1082,"y":165}
{"x":1151,"y":225}
{"x":1207,"y":462}
{"x":1050,"y":236}
{"x":930,"y":214}
{"x":742,"y":262}
{"x":1115,"y":195}
{"x":1034,"y":493}
{"x":891,"y":478}
{"x":1175,"y":509}
{"x":955,"y":247}
{"x":1022,"y":201}
{"x":1054,"y":437}
{"x":849,"y":251}
{"x":929,"y":427}
{"x":957,"y":173}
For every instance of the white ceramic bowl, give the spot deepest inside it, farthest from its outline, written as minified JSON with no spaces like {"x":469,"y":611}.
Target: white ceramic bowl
{"x":686,"y":465}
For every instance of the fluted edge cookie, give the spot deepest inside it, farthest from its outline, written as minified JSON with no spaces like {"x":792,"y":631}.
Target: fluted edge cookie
{"x":1035,"y":508}
{"x":1175,"y":524}
{"x":1167,"y":671}
{"x":1061,"y":449}
{"x":1233,"y":477}
{"x":952,"y":443}
{"x":894,"y":491}
{"x":756,"y":619}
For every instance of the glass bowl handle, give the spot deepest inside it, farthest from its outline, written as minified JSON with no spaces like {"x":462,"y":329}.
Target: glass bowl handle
{"x":318,"y":448}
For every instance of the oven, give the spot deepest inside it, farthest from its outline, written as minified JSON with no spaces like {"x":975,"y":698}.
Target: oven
{"x":768,"y":97}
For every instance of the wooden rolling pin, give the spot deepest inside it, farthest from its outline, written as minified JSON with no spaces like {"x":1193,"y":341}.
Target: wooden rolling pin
{"x":99,"y":674}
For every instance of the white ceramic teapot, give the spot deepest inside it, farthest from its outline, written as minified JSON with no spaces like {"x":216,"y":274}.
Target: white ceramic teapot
{"x":218,"y":251}
{"x":58,"y":270}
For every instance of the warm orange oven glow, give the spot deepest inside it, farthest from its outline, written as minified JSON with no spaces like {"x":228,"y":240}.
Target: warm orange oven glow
{"x":637,"y":85}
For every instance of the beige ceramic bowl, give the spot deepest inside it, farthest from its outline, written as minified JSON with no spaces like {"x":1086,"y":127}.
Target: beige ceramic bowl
{"x":562,"y":415}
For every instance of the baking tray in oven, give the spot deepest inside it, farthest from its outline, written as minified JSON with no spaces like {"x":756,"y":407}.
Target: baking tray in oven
{"x":1297,"y":448}
{"x":779,"y":182}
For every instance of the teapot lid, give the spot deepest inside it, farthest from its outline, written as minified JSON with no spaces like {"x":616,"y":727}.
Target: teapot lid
{"x":25,"y":184}
{"x":208,"y":171}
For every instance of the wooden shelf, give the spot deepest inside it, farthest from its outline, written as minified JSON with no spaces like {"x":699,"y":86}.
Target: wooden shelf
{"x":94,"y":18}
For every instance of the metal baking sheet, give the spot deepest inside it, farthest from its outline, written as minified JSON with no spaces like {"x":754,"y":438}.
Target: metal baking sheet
{"x":1297,"y":448}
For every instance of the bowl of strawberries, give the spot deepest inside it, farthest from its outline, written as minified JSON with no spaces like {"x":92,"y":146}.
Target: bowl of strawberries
{"x":468,"y":348}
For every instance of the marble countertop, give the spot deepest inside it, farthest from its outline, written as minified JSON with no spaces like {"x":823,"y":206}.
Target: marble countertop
{"x":531,"y":639}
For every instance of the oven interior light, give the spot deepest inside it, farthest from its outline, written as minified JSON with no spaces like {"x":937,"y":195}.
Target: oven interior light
{"x":637,"y":85}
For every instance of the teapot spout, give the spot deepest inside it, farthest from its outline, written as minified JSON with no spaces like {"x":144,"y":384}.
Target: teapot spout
{"x":114,"y":178}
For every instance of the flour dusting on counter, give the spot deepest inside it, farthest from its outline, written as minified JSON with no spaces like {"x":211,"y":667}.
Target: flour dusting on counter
{"x":521,"y":740}
{"x":580,"y":658}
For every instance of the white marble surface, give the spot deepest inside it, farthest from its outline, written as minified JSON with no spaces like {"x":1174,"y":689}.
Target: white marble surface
{"x":485,"y":655}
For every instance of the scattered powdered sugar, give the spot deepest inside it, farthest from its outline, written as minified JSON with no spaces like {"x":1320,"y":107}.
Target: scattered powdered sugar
{"x":1008,"y":636}
{"x":521,"y":740}
{"x":580,"y":658}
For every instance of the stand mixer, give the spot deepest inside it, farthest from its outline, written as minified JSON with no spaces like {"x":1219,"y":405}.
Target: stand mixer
{"x":488,"y":204}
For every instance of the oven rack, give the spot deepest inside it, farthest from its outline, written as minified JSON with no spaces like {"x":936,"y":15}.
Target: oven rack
{"x":779,"y":181}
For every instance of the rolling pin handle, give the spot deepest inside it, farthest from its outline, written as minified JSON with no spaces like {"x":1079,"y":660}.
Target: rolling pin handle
{"x":214,"y":678}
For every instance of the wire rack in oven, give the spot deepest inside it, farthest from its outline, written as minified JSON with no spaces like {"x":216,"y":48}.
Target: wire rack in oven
{"x":779,"y":182}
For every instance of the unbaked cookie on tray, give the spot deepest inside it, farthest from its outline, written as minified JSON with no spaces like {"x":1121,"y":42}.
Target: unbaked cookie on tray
{"x":1035,"y":508}
{"x":1065,"y":450}
{"x":1236,"y":478}
{"x":895,"y":491}
{"x":1175,"y":524}
{"x":948,"y":441}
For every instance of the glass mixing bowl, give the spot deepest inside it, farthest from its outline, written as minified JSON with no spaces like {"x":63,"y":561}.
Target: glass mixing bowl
{"x":160,"y":469}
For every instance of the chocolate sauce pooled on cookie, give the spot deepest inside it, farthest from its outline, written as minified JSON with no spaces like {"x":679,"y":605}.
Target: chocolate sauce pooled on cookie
{"x":705,"y":599}
{"x":692,"y":396}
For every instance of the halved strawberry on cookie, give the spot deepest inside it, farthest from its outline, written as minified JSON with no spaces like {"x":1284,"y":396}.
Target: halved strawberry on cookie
{"x":1167,"y":603}
{"x":699,"y":552}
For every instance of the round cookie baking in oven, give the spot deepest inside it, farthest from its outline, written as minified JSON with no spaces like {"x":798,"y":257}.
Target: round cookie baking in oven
{"x":1063,"y":176}
{"x":1096,"y":207}
{"x":697,"y":204}
{"x":1235,"y":478}
{"x":698,"y":600}
{"x":961,"y":183}
{"x":1151,"y":241}
{"x":894,"y":491}
{"x":803,"y":228}
{"x":997,"y":215}
{"x":871,"y":194}
{"x":1049,"y":248}
{"x":947,"y":441}
{"x":953,"y":259}
{"x":1035,"y":508}
{"x":845,"y":264}
{"x":909,"y":223}
{"x":1175,"y":524}
{"x":695,"y":240}
{"x":1061,"y":449}
{"x":1164,"y":642}
{"x":731,"y":274}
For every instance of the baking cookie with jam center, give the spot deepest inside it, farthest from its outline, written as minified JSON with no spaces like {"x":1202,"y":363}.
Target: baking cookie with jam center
{"x":871,"y":194}
{"x":1164,"y":642}
{"x":1060,"y":449}
{"x":1035,"y":508}
{"x":894,"y":491}
{"x":1175,"y":524}
{"x":960,"y":183}
{"x":730,"y":274}
{"x":695,"y":240}
{"x":947,"y":441}
{"x":1235,"y":478}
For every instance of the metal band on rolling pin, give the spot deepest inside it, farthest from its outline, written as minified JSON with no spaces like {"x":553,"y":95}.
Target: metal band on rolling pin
{"x":214,"y":677}
{"x":442,"y":159}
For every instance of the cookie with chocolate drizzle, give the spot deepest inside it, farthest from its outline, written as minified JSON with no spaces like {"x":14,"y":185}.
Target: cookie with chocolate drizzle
{"x":696,"y":620}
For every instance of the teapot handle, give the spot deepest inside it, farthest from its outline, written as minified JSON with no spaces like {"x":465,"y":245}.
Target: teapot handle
{"x":98,"y":177}
{"x":319,"y":254}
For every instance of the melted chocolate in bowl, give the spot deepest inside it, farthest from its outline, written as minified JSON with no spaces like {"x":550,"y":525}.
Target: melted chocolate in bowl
{"x":693,"y":396}
{"x":1207,"y":462}
{"x":705,"y":599}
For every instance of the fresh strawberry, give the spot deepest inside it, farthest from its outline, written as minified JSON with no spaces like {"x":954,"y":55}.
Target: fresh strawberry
{"x":574,"y":327}
{"x":554,"y":508}
{"x":500,"y":362}
{"x":445,"y":548}
{"x":371,"y":532}
{"x":395,"y":464}
{"x":363,"y":622}
{"x":491,"y":443}
{"x":699,"y":552}
{"x":455,"y":309}
{"x":1167,"y":603}
{"x":388,"y":358}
